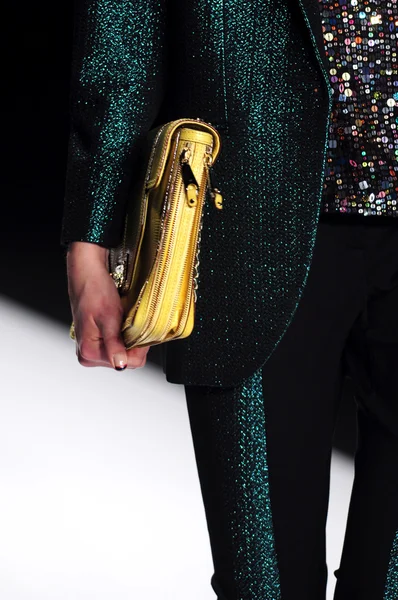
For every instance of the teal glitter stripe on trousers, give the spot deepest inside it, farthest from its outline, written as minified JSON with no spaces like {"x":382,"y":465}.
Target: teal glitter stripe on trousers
{"x":391,"y":589}
{"x":243,"y":435}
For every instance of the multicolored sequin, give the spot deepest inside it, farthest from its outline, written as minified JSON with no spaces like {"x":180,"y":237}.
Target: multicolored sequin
{"x":361,"y":47}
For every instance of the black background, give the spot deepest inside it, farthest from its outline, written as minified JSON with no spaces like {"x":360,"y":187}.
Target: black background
{"x":37,"y":46}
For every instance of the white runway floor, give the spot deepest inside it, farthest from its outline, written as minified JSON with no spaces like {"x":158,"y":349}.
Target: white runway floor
{"x":99,"y":497}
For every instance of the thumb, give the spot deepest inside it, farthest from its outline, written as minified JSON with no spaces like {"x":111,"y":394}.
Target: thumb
{"x":114,"y":347}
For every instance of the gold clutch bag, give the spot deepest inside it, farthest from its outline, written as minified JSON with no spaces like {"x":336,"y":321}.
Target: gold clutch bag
{"x":155,"y":268}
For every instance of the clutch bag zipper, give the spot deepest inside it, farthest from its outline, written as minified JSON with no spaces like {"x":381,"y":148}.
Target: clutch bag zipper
{"x":119,"y":272}
{"x":193,"y":198}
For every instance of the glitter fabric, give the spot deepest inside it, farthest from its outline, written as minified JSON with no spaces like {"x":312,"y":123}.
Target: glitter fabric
{"x":241,"y":437}
{"x":256,"y":255}
{"x":360,"y":39}
{"x":116,"y":90}
{"x":198,"y":83}
{"x":252,"y":68}
{"x":391,"y":587}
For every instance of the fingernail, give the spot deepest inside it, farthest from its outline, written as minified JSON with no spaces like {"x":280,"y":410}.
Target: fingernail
{"x":119,"y":362}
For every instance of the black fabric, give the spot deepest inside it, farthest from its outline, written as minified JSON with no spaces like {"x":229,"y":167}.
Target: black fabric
{"x":346,"y":324}
{"x":251,"y":251}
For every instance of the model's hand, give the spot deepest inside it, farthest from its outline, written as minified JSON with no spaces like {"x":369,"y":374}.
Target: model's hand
{"x":97,"y":311}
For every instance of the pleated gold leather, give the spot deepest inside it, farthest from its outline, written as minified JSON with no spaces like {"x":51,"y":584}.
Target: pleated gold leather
{"x":155,"y":268}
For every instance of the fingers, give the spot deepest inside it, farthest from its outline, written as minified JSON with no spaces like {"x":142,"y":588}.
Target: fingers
{"x":97,"y":312}
{"x":90,"y":349}
{"x":136,"y":357}
{"x":115,"y":352}
{"x":101,"y":345}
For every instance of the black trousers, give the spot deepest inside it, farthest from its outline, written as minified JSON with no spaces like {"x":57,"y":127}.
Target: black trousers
{"x":263,"y":448}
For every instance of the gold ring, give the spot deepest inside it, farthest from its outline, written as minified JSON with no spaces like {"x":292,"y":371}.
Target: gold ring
{"x":72,"y":334}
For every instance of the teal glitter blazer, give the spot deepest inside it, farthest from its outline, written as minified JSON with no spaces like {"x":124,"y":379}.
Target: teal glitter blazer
{"x":255,"y":70}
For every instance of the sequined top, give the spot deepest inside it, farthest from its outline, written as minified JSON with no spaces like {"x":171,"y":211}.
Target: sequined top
{"x":361,"y":49}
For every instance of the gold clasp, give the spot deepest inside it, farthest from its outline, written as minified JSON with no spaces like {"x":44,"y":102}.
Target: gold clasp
{"x":214,"y":192}
{"x":190,"y":183}
{"x":192,"y":194}
{"x":217,"y":198}
{"x":186,"y":153}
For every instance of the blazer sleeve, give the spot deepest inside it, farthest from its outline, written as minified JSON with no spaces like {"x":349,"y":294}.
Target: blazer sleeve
{"x":117,"y":87}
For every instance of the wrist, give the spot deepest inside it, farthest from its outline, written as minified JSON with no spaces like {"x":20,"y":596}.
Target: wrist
{"x":87,"y":251}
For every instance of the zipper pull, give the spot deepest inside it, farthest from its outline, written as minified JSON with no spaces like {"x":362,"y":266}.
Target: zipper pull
{"x":215,"y":193}
{"x":217,"y":197}
{"x":190,"y":183}
{"x":118,"y":275}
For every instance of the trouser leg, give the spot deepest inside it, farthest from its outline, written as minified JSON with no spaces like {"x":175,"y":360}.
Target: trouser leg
{"x":299,"y":437}
{"x":205,"y":408}
{"x":368,"y":569}
{"x":228,"y":428}
{"x":369,"y":565}
{"x":264,"y":474}
{"x":263,"y":448}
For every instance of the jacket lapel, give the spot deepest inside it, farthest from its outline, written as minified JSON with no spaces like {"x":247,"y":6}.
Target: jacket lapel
{"x":312,"y":16}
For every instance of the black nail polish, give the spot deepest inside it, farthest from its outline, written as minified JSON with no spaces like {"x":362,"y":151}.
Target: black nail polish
{"x":121,"y":368}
